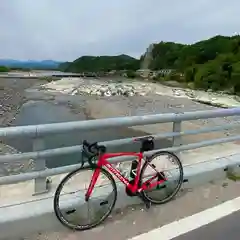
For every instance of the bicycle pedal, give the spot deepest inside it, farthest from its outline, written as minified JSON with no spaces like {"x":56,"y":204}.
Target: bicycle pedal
{"x":160,"y":187}
{"x":103,"y":203}
{"x":70,"y":211}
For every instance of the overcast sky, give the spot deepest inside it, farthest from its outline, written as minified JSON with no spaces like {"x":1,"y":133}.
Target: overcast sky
{"x":66,"y":29}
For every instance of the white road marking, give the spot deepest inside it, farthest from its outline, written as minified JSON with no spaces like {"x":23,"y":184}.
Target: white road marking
{"x":193,"y":222}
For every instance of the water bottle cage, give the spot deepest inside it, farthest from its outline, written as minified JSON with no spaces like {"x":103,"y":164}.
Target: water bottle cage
{"x":147,"y":145}
{"x":133,"y":171}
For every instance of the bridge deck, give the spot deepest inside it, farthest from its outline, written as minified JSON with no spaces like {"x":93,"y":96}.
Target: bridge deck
{"x":133,"y":221}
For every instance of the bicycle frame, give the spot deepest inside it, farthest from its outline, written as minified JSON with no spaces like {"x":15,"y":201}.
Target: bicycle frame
{"x":103,"y":161}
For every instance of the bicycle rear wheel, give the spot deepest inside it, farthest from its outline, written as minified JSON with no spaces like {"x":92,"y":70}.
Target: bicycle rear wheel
{"x":167,"y":190}
{"x":70,"y":206}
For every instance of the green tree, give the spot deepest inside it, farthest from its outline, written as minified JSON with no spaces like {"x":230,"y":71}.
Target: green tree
{"x":235,"y":78}
{"x":190,"y":73}
{"x":4,"y":69}
{"x":101,"y":64}
{"x":131,"y":74}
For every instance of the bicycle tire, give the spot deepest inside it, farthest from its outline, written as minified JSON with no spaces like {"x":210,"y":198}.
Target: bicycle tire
{"x":179,"y":182}
{"x":57,"y":210}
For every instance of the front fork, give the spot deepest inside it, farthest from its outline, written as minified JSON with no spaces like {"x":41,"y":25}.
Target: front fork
{"x":92,"y":183}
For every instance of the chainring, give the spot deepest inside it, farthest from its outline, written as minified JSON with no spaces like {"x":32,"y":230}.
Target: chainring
{"x":128,"y":191}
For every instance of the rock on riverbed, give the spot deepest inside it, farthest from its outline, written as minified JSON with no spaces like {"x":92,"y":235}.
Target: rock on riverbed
{"x":12,"y":168}
{"x":99,"y":88}
{"x":218,"y":99}
{"x":80,"y":86}
{"x":112,"y":90}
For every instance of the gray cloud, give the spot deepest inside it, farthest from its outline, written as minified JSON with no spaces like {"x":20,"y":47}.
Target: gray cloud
{"x":65,"y":30}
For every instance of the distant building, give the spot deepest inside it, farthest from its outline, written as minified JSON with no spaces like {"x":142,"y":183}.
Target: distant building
{"x":165,"y":71}
{"x":150,"y":73}
{"x":144,"y":72}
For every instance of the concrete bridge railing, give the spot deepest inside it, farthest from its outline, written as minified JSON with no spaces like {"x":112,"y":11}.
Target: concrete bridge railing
{"x":37,"y":132}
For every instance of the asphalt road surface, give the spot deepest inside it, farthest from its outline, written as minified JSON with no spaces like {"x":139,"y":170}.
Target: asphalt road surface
{"x":220,"y":222}
{"x":222,"y":229}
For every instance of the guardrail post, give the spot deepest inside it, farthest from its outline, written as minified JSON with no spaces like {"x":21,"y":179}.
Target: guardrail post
{"x":41,"y":184}
{"x":177,"y":140}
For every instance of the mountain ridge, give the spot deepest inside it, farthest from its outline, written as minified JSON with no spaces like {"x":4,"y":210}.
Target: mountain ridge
{"x":12,"y":63}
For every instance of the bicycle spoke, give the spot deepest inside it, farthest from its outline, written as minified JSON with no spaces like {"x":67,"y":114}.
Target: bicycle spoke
{"x":167,"y":184}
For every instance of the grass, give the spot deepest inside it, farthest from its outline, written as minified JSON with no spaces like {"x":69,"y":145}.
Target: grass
{"x":232,"y":176}
{"x":49,"y":79}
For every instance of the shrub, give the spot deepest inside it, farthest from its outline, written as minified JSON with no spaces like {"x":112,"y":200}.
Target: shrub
{"x":4,"y":69}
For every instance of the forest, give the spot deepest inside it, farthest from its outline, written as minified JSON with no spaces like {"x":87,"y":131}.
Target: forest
{"x":209,"y":64}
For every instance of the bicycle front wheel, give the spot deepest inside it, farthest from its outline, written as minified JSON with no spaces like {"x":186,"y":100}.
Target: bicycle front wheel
{"x":70,"y":206}
{"x":164,"y":166}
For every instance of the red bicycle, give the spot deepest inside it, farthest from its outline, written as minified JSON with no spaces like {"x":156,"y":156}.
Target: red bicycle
{"x":145,"y":181}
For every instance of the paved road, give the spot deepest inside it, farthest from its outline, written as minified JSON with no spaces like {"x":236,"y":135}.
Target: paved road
{"x":217,"y":223}
{"x":191,"y":210}
{"x":222,"y":229}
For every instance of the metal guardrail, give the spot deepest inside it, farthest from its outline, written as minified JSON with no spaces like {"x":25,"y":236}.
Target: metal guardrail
{"x":39,"y":154}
